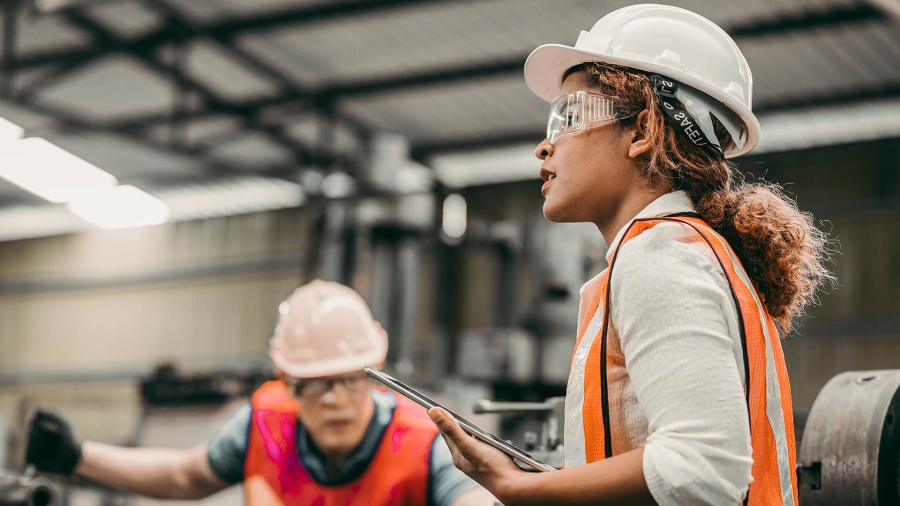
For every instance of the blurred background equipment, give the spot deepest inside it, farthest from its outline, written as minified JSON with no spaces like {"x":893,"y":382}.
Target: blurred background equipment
{"x":545,"y":444}
{"x":209,"y":157}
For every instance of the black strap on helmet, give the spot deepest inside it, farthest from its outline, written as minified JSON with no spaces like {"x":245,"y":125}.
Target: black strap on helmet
{"x":682,"y":120}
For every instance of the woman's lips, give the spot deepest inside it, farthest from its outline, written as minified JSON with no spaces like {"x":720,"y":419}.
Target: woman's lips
{"x":547,"y":184}
{"x":548,"y":178}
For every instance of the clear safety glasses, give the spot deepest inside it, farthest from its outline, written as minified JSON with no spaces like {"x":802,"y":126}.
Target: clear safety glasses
{"x":573,"y":112}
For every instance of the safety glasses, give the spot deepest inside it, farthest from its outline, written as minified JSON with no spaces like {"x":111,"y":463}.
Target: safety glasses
{"x":315,"y":388}
{"x":573,"y":112}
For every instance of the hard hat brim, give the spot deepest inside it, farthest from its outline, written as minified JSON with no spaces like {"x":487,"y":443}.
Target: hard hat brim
{"x":324,"y":368}
{"x":546,"y":65}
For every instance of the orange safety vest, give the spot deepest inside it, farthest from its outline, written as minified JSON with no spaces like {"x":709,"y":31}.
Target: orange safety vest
{"x":274,"y":474}
{"x":767,"y":389}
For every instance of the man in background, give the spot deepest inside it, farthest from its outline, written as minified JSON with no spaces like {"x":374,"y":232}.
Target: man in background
{"x":319,"y":435}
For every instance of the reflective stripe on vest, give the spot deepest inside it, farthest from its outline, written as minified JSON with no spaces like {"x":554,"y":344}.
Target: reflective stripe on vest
{"x":767,"y":388}
{"x":274,"y":474}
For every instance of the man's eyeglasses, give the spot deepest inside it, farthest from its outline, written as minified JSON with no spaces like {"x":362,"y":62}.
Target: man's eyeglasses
{"x":311,"y":389}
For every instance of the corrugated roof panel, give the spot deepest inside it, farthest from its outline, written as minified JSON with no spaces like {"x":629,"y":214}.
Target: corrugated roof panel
{"x":442,"y":35}
{"x":211,"y":65}
{"x":208,"y":11}
{"x":252,"y":152}
{"x":36,"y":33}
{"x":824,"y":62}
{"x":111,"y":88}
{"x":878,"y":47}
{"x":487,"y":107}
{"x":205,"y":129}
{"x":129,"y":19}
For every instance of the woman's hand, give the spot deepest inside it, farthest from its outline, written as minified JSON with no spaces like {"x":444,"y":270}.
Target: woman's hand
{"x":490,"y":467}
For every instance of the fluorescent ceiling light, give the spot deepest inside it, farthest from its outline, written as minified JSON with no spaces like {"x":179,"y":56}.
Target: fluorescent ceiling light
{"x":120,"y":207}
{"x":454,"y":219}
{"x":489,"y":166}
{"x":828,"y":126}
{"x":10,"y":131}
{"x":51,"y":172}
{"x":338,"y":185}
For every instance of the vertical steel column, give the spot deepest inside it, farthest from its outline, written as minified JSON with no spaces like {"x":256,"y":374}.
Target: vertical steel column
{"x":10,"y":23}
{"x":408,"y":273}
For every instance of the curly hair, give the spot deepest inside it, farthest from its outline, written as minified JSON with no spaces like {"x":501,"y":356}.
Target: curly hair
{"x":779,"y":246}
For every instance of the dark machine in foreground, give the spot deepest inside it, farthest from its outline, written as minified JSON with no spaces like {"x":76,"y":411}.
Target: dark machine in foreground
{"x":850,"y":452}
{"x":25,"y":490}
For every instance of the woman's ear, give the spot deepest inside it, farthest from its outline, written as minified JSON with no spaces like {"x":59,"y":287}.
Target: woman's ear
{"x":642,"y":135}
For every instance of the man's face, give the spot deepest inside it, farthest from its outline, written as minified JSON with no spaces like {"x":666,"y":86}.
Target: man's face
{"x":335,"y":410}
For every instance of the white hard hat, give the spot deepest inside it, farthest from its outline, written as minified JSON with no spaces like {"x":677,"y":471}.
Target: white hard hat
{"x":325,"y":329}
{"x":672,"y":42}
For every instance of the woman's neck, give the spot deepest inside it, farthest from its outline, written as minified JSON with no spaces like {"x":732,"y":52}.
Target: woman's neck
{"x":630,"y":206}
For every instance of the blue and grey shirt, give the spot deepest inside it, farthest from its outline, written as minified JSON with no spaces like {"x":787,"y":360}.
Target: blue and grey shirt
{"x":228,"y":450}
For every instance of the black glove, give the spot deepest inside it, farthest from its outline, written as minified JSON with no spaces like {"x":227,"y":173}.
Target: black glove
{"x":52,"y":446}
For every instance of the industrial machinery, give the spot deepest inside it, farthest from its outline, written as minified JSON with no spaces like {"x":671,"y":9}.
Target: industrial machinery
{"x":26,"y":490}
{"x":850,"y":452}
{"x":546,"y":447}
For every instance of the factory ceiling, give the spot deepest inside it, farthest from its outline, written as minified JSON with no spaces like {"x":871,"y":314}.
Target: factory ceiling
{"x":163,"y":93}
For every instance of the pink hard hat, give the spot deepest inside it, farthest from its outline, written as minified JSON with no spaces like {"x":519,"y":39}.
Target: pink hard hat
{"x":324,"y":329}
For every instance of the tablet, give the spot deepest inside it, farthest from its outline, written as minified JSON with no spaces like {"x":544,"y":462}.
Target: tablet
{"x":469,"y":427}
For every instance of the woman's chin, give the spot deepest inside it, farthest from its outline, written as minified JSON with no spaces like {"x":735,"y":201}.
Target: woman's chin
{"x":554,"y":213}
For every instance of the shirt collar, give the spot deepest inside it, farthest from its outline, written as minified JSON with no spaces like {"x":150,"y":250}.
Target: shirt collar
{"x":670,"y":203}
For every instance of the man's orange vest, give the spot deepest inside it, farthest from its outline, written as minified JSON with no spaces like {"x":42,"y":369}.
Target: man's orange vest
{"x":274,"y":475}
{"x":767,"y":389}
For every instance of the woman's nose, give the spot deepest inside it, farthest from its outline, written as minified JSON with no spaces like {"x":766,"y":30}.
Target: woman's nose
{"x":544,"y":149}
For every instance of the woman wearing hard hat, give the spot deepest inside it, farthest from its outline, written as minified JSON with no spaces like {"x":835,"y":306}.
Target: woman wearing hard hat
{"x":678,"y":391}
{"x":320,"y":436}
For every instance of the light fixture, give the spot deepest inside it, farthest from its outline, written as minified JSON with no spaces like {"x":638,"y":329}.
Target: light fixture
{"x":338,"y":185}
{"x":49,"y":171}
{"x":454,"y":221}
{"x":120,"y":207}
{"x":413,"y":177}
{"x":10,"y":131}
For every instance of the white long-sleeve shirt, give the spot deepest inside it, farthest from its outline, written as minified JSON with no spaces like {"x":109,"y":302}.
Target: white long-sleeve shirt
{"x":676,"y":379}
